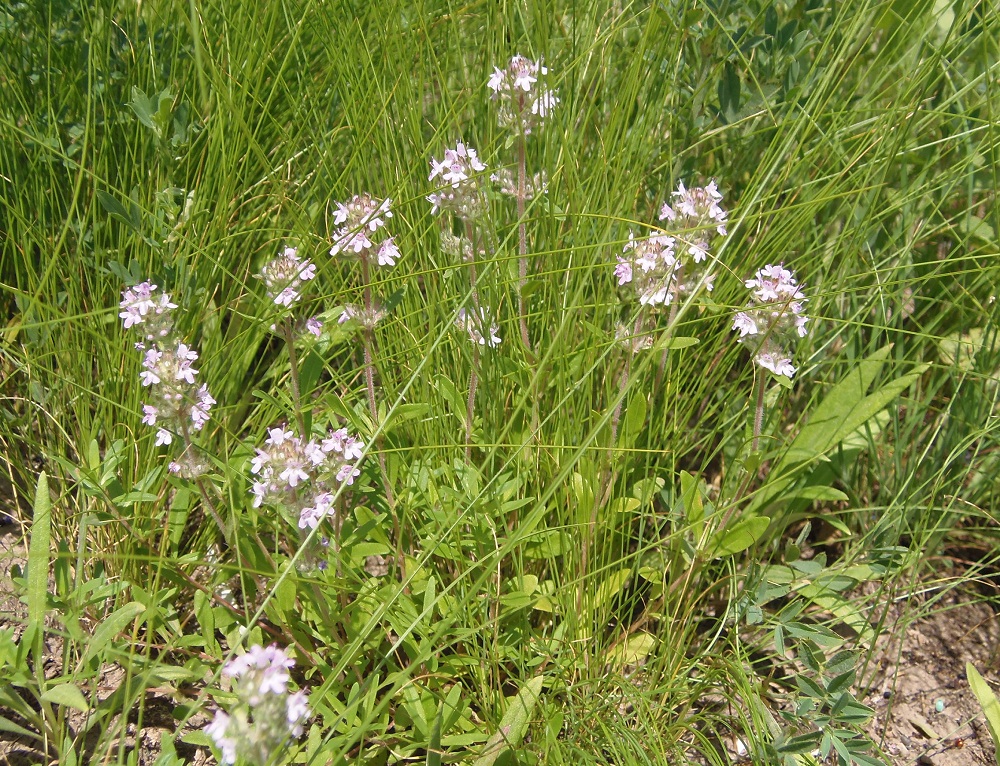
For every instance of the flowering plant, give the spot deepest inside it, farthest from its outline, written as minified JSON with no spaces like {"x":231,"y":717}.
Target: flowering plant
{"x":525,"y":102}
{"x":460,"y":192}
{"x":265,"y":715}
{"x":177,"y":404}
{"x":773,"y":318}
{"x":358,"y":220}
{"x":303,"y":476}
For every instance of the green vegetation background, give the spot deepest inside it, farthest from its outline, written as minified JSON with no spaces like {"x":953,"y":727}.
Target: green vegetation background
{"x":187,"y":142}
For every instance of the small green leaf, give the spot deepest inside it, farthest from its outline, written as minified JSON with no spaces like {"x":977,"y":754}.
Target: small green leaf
{"x":809,"y":687}
{"x":729,"y":91}
{"x":66,"y":695}
{"x":973,"y":226}
{"x":13,"y":728}
{"x":634,"y":650}
{"x":434,"y":741}
{"x":144,"y":109}
{"x":691,"y":497}
{"x":625,"y":504}
{"x":393,"y":300}
{"x":635,"y":417}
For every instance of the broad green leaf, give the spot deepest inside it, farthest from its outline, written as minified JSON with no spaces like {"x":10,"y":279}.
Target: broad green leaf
{"x":66,"y":695}
{"x":827,"y":494}
{"x":844,"y":410}
{"x":691,"y":497}
{"x":584,"y":494}
{"x":625,"y":504}
{"x":988,"y":702}
{"x":635,"y":417}
{"x":960,"y":348}
{"x":740,"y":536}
{"x":634,"y":650}
{"x":115,"y":623}
{"x":39,"y":559}
{"x":116,"y":209}
{"x":610,"y":587}
{"x":434,"y":741}
{"x":13,"y":728}
{"x":514,"y":724}
{"x":450,"y":393}
{"x":832,"y":415}
{"x":674,"y":342}
{"x":13,"y":701}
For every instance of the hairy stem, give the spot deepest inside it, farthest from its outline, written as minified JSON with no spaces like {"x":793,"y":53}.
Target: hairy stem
{"x":678,"y":275}
{"x":758,"y":418}
{"x":293,"y":363}
{"x":470,"y":411}
{"x":470,"y":233}
{"x":522,"y":231}
{"x":368,"y":343}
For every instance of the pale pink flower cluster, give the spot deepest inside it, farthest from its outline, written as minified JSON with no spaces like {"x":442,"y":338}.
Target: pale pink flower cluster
{"x":535,"y":186}
{"x":524,"y":101}
{"x":694,"y":220}
{"x":649,"y":265}
{"x":265,"y":716}
{"x":359,"y":220}
{"x":632,"y":340}
{"x":188,"y":466}
{"x":303,"y":477}
{"x":456,"y":246}
{"x":480,"y":328}
{"x":283,"y":276}
{"x":314,"y":326}
{"x":367,"y":319}
{"x":177,"y":403}
{"x":773,"y":318}
{"x":697,"y":213}
{"x":459,"y":175}
{"x":139,"y":305}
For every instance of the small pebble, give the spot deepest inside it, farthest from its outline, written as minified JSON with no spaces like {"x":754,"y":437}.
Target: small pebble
{"x":939,"y":705}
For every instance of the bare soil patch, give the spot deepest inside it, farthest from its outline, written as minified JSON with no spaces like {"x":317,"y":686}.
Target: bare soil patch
{"x":925,"y":711}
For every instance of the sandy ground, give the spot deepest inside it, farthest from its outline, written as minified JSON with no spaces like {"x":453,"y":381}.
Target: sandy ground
{"x":925,"y":710}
